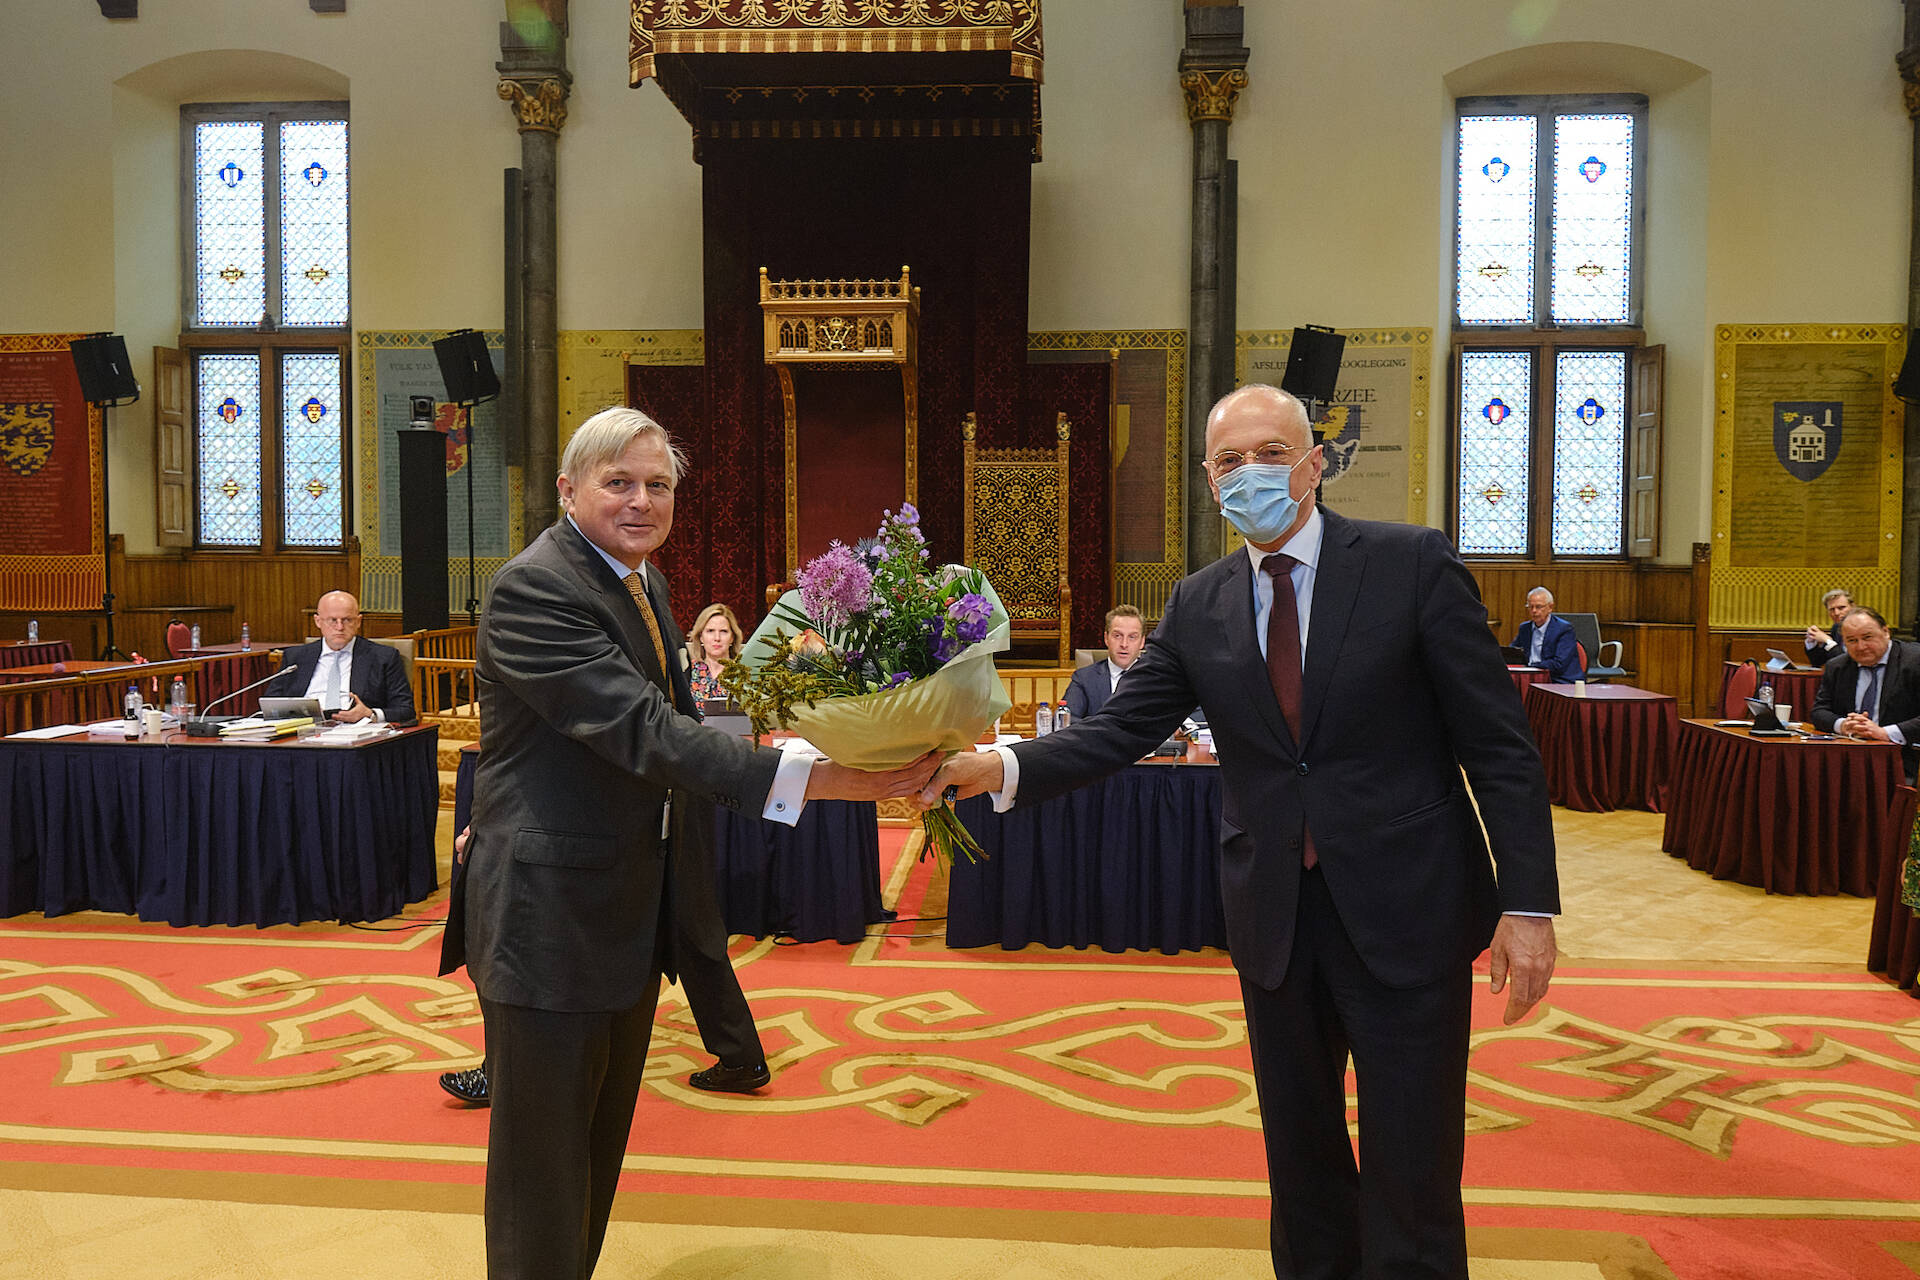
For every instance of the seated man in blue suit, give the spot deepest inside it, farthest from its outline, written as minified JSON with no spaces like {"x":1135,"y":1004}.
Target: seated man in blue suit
{"x":354,"y":679}
{"x":1548,"y":641}
{"x":1093,"y":685}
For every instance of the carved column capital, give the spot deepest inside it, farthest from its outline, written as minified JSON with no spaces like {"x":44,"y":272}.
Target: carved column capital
{"x":537,"y":104}
{"x":1212,"y":95}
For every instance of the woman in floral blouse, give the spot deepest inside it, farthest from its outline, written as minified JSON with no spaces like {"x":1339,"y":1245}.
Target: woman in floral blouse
{"x":714,"y":639}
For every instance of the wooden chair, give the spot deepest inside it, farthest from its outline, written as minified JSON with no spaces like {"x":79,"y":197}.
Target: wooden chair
{"x":1015,"y":507}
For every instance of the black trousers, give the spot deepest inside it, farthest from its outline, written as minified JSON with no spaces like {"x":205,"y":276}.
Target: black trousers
{"x":700,"y":961}
{"x":1397,"y":1215}
{"x":563,"y":1088}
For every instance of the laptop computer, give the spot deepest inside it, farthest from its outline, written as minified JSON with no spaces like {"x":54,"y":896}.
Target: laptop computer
{"x":1766,"y":721}
{"x":1778,"y":661}
{"x":725,"y":715}
{"x":281,"y":708}
{"x":1514,"y":654}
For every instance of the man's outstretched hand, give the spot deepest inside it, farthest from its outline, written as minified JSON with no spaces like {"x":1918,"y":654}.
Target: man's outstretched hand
{"x":968,"y":773}
{"x":1523,"y":952}
{"x":830,"y":781}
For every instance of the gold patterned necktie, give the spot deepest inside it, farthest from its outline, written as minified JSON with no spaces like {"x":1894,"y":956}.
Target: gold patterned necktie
{"x":636,"y":587}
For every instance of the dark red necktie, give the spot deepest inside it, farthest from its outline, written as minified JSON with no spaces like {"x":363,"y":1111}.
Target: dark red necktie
{"x":1283,"y":660}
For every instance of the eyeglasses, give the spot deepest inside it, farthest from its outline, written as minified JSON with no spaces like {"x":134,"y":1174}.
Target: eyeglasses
{"x":1271,"y":454}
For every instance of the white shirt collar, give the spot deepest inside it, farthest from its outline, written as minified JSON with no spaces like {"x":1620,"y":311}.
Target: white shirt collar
{"x":1115,"y":671}
{"x":1303,"y":546}
{"x":619,"y":570}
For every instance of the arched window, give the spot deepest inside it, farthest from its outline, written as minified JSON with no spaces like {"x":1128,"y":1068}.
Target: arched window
{"x":265,"y":321}
{"x":1548,"y":200}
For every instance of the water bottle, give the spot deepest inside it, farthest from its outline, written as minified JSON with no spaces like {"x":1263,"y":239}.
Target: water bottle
{"x":1042,"y":720}
{"x":194,"y":636}
{"x":33,"y":631}
{"x":246,"y":637}
{"x":1061,"y":717}
{"x":177,"y":695}
{"x":134,"y":705}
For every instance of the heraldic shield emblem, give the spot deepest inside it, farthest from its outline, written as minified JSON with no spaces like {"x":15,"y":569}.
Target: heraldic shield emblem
{"x":1806,"y":436}
{"x":26,"y":436}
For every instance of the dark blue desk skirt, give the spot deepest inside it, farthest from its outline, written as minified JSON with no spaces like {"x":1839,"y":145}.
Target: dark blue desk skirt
{"x":1127,"y":863}
{"x":218,"y":834}
{"x":815,"y":880}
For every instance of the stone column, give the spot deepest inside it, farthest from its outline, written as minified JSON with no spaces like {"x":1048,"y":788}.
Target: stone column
{"x":1212,"y":74}
{"x":1909,"y":63}
{"x":534,"y":80}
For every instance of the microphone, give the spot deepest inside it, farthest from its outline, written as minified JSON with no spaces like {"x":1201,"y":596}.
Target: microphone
{"x":209,"y":726}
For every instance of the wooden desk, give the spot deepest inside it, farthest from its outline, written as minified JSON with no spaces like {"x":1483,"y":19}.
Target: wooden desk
{"x":29,"y":655}
{"x":1524,"y":678}
{"x":1608,"y":748}
{"x":1783,"y":814}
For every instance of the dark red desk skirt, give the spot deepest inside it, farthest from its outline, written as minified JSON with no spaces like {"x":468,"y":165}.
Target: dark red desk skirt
{"x":1607,"y":749}
{"x":1784,"y":815}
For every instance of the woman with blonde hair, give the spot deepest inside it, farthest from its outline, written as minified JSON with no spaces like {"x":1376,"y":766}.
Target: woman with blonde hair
{"x":714,"y":637}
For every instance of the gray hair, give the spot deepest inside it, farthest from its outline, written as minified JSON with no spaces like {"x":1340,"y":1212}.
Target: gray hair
{"x":1541,"y":591}
{"x":606,"y":435}
{"x":1835,"y":594}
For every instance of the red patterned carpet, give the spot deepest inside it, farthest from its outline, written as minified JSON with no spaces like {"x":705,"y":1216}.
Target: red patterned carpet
{"x":1698,"y":1125}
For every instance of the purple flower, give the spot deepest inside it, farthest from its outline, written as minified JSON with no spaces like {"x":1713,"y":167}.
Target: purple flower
{"x":945,"y":648}
{"x":909,"y":514}
{"x":971,"y":607}
{"x":834,"y":586}
{"x":897,"y":679}
{"x":975,"y":632}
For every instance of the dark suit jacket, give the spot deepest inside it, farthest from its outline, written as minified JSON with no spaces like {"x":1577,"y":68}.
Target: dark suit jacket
{"x":379,"y":676}
{"x":560,"y":905}
{"x":1560,"y":652}
{"x":1403,"y":687}
{"x":1899,"y":695}
{"x":1819,"y":654}
{"x":1089,"y":690}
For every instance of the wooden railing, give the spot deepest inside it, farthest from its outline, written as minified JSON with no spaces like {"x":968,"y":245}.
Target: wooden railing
{"x":447,"y":642}
{"x":88,"y":696}
{"x":1027,"y":688}
{"x":445,"y":687}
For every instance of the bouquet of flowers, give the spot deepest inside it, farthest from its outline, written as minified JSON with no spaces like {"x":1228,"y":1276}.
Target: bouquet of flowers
{"x":878,"y":658}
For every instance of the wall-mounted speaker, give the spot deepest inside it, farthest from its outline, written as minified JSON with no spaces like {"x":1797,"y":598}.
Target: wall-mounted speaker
{"x":106,"y":377}
{"x":466,"y":367}
{"x":1907,"y":385}
{"x":1313,"y":363}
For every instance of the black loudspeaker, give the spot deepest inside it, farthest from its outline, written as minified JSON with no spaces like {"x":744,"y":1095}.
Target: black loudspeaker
{"x":423,"y":530}
{"x":1313,"y":363}
{"x":105,"y":375}
{"x":466,"y":367}
{"x":1907,"y":385}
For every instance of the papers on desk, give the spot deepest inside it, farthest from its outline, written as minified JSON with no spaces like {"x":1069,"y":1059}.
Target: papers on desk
{"x":120,"y":728}
{"x":256,"y":729}
{"x":51,"y":731}
{"x":348,"y":734}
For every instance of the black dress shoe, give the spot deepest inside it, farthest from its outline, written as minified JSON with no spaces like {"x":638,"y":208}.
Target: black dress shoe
{"x":721,"y":1078}
{"x":468,"y":1086}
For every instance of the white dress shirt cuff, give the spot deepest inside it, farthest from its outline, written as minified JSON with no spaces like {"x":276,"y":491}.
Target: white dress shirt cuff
{"x":1532,"y":915}
{"x":789,"y":793}
{"x":1009,"y":783}
{"x":1894,"y":735}
{"x":379,"y":716}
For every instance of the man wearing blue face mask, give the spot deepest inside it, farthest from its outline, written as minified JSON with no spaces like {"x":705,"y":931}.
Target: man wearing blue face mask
{"x":1349,"y":677}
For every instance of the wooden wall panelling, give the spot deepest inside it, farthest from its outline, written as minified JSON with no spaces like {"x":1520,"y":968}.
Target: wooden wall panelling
{"x":270,"y":593}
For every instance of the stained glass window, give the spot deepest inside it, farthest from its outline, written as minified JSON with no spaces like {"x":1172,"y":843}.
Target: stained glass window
{"x":229,"y":214}
{"x":1589,"y":452}
{"x":1496,"y":426}
{"x":313,"y":222}
{"x":1592,"y":219}
{"x":310,"y":444}
{"x":1494,"y":220}
{"x":227,"y":424}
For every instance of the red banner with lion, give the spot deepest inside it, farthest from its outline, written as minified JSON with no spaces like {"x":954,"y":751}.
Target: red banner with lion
{"x":52,"y":554}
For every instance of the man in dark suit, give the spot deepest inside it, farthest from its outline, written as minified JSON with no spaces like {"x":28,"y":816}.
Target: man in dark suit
{"x":589,"y":777}
{"x":1348,"y":676}
{"x":1874,"y":691}
{"x":1548,"y":640}
{"x":1093,"y":684}
{"x":353,"y":678}
{"x":1824,"y":646}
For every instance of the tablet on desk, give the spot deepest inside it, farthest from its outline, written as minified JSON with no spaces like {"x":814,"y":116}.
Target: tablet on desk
{"x":282,"y":708}
{"x":1778,"y":661}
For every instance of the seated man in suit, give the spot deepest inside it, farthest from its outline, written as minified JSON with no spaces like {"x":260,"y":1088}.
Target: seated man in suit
{"x":1093,"y":685}
{"x":1548,"y":641}
{"x":354,"y":679}
{"x":1824,"y":646}
{"x":1874,"y":691}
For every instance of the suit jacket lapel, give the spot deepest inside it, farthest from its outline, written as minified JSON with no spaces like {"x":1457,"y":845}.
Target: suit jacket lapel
{"x":597,"y":574}
{"x":1336,"y":585}
{"x":1243,"y":646}
{"x":677,"y":676}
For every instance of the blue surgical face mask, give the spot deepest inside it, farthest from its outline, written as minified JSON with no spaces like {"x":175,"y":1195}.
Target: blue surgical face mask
{"x":1257,"y":499}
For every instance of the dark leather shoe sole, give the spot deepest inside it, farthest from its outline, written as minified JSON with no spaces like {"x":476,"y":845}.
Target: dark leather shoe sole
{"x":469,"y":1086}
{"x":723,"y":1079}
